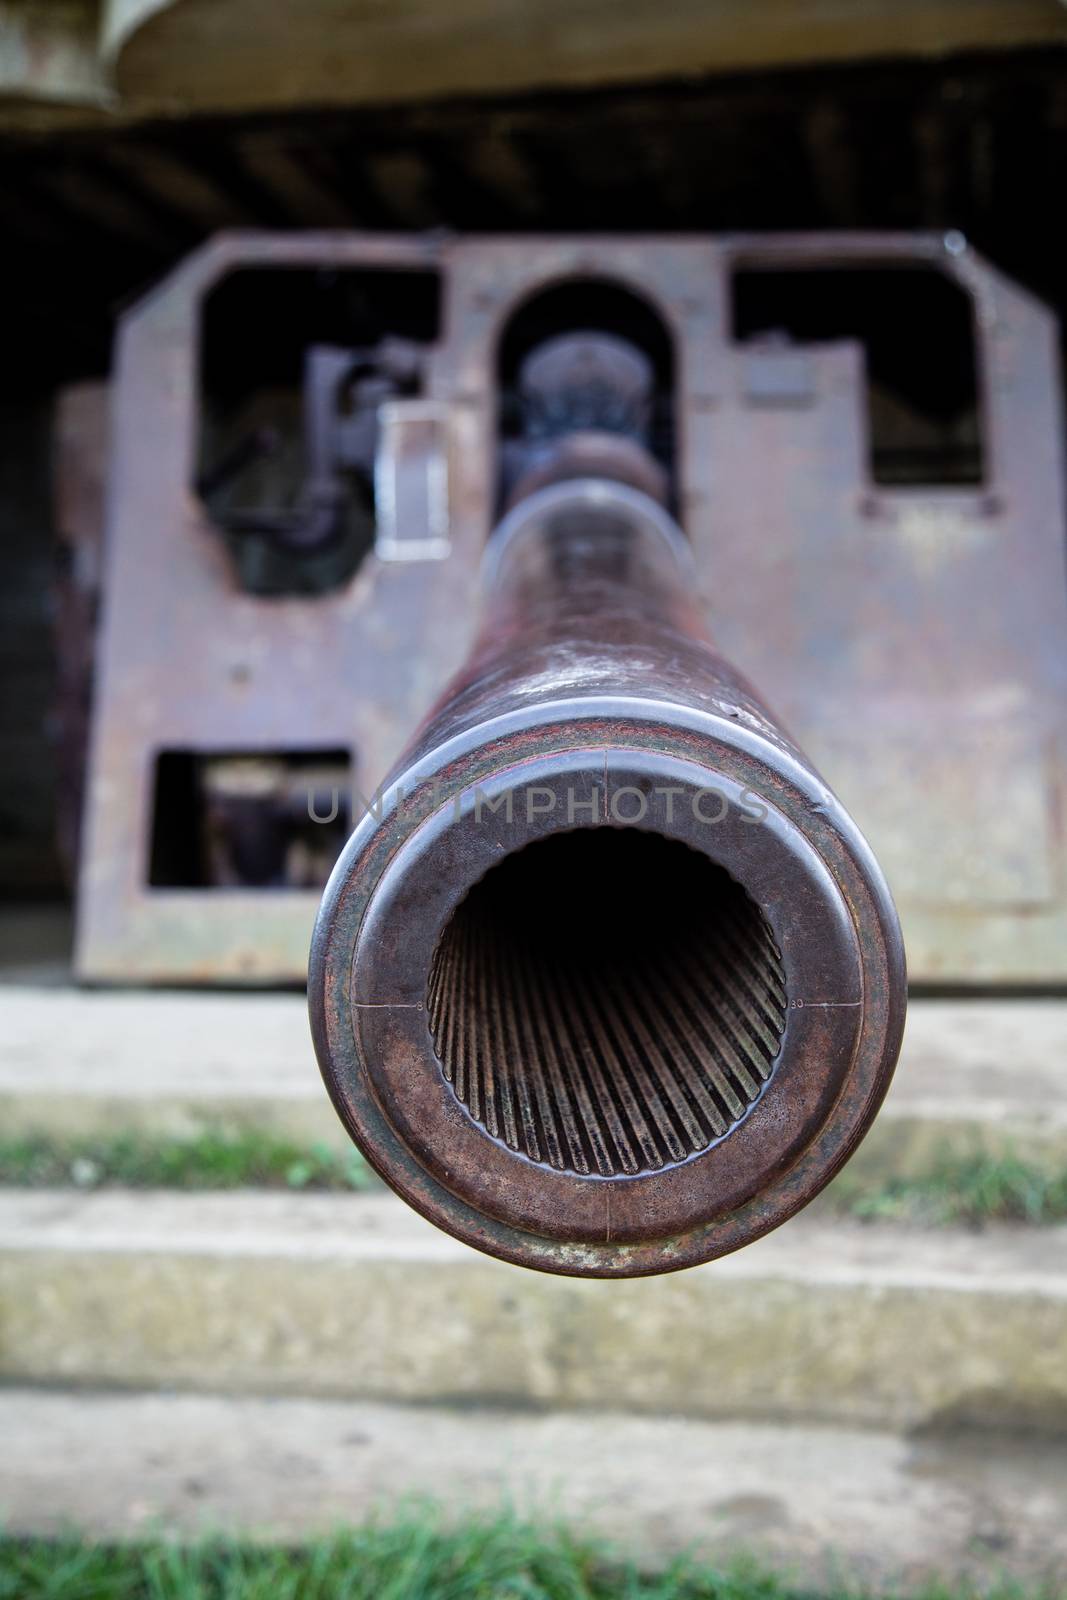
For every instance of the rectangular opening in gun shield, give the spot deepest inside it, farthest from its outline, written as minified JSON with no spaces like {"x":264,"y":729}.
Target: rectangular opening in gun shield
{"x":265,"y":819}
{"x":294,"y":363}
{"x":916,"y":326}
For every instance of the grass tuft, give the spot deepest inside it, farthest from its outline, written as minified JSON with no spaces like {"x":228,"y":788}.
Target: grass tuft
{"x":209,"y":1160}
{"x":416,"y":1556}
{"x":968,"y":1189}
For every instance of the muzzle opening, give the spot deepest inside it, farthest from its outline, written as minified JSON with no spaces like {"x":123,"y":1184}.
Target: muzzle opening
{"x":607,"y":1002}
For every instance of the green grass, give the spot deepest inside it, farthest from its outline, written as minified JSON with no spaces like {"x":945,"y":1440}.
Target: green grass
{"x":209,"y":1160}
{"x":416,"y":1556}
{"x":967,"y":1189}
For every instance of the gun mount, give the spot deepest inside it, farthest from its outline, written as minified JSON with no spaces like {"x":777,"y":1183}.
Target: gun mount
{"x":835,"y":456}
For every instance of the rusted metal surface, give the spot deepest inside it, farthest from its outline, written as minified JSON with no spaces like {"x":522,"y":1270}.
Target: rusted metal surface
{"x":612,"y":985}
{"x":913,"y":639}
{"x":80,"y":453}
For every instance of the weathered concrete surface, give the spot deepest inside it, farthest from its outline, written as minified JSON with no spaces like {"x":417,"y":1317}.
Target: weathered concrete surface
{"x":357,"y":1296}
{"x":974,"y":1075}
{"x":824,"y":1502}
{"x":82,"y":1063}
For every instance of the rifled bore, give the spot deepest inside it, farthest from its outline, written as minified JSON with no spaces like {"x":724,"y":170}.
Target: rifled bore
{"x":607,"y":1001}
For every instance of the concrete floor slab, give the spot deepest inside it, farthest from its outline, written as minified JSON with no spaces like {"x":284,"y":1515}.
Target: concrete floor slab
{"x":821,"y":1502}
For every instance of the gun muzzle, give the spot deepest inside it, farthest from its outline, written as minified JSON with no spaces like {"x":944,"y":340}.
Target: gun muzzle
{"x":609,"y":984}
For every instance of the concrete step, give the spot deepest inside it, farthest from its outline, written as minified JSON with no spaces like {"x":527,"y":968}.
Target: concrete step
{"x":828,"y":1504}
{"x":82,"y":1064}
{"x":356,"y":1296}
{"x":974,"y":1075}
